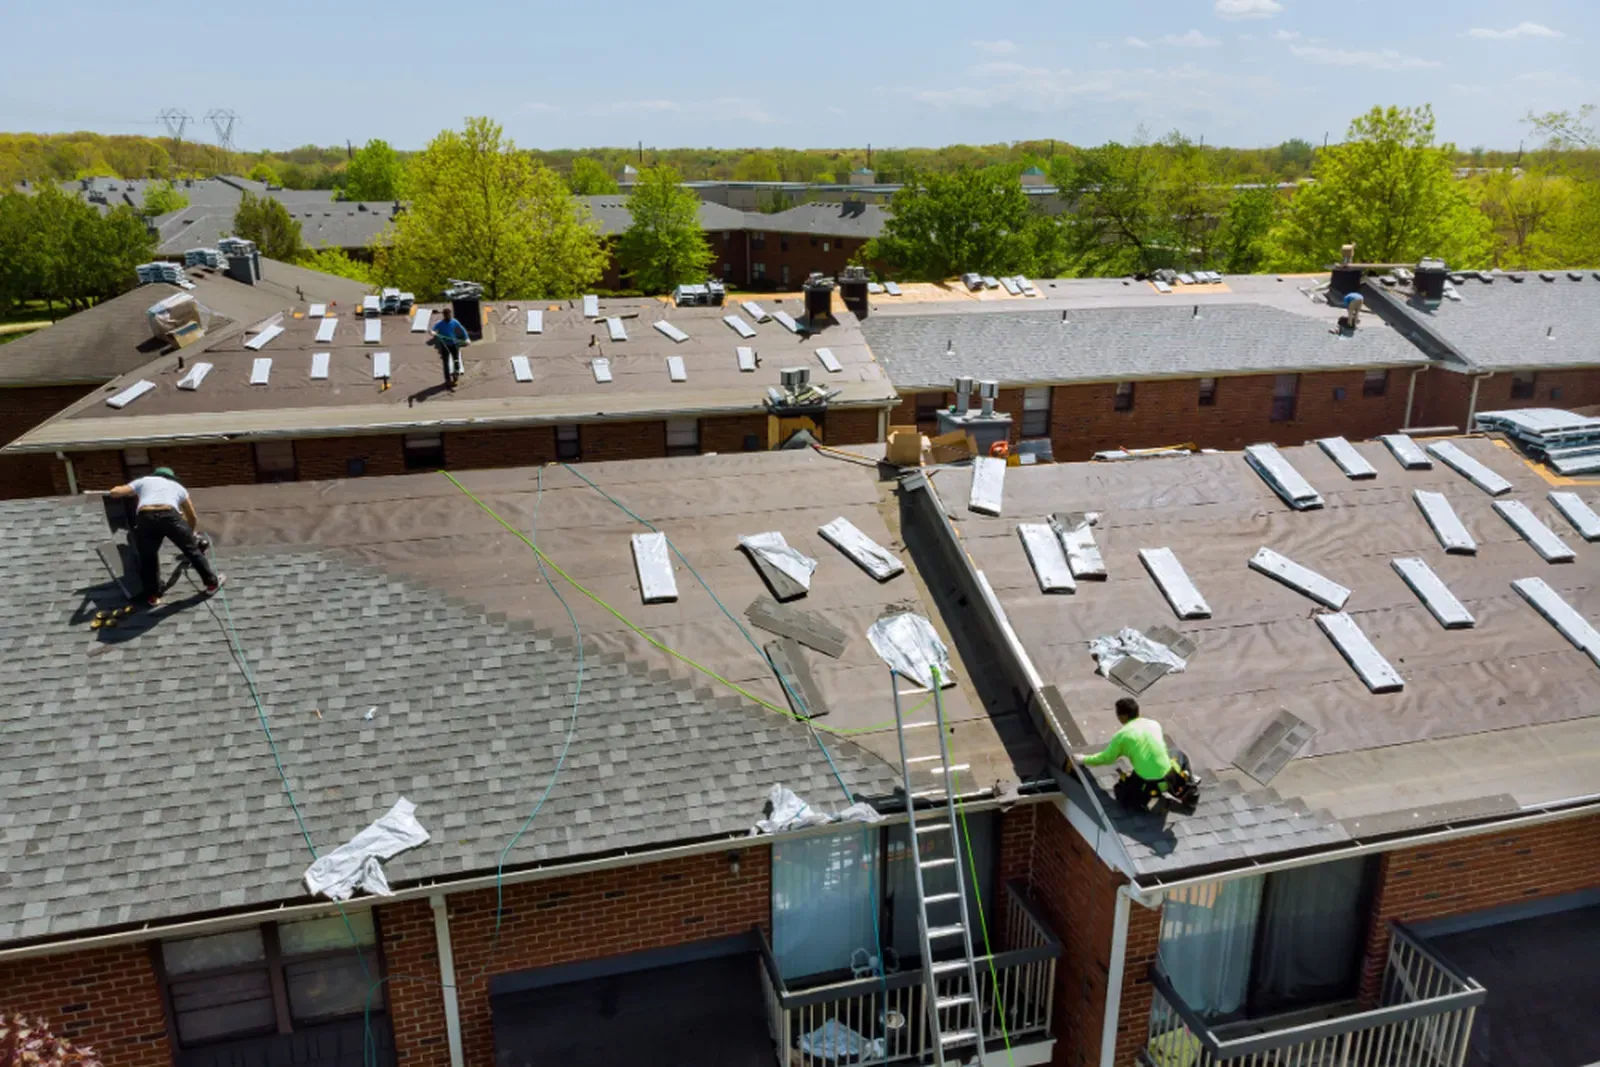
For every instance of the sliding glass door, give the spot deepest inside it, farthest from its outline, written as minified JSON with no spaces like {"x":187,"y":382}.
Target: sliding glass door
{"x":1267,"y":943}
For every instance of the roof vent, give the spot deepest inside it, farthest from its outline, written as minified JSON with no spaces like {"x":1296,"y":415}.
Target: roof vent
{"x":1429,"y":280}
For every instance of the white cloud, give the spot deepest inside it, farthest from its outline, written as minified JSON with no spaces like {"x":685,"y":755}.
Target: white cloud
{"x":1192,"y":39}
{"x":996,"y":48}
{"x":1388,"y":59}
{"x":1521,"y":29}
{"x":1549,"y":77}
{"x":1044,"y":90}
{"x":1285,"y":35}
{"x":1247,"y":9}
{"x":540,"y":105}
{"x":1135,"y":42}
{"x":1467,"y":90}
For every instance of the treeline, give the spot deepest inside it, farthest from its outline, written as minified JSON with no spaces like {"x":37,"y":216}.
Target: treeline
{"x":59,"y":251}
{"x":1390,"y":188}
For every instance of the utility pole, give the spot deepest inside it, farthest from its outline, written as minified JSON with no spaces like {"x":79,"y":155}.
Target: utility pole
{"x":1324,"y":138}
{"x":222,"y":122}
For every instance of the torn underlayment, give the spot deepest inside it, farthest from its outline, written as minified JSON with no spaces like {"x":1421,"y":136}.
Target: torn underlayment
{"x":357,"y":862}
{"x":770,"y":550}
{"x":909,"y":645}
{"x":786,"y":811}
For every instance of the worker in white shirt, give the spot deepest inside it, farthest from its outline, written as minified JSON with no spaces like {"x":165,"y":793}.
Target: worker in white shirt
{"x":165,"y":514}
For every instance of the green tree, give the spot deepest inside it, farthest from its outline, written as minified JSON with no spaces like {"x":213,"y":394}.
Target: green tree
{"x":1390,"y":189}
{"x":263,"y":172}
{"x":756,"y":167}
{"x":664,"y":246}
{"x":1112,"y":226}
{"x":21,"y":244}
{"x":968,"y":220}
{"x":161,"y":198}
{"x":267,"y":222}
{"x":1241,"y":238}
{"x":1528,"y":212}
{"x":374,"y":173}
{"x":338,"y":261}
{"x":56,"y":246}
{"x":589,"y":178}
{"x":482,"y":209}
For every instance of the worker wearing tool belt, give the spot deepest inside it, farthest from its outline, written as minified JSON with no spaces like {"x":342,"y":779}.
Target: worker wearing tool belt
{"x":165,"y":514}
{"x":1156,"y":772}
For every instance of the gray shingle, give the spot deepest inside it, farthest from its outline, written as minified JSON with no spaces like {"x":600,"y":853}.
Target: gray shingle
{"x":1508,"y":325}
{"x":145,"y":787}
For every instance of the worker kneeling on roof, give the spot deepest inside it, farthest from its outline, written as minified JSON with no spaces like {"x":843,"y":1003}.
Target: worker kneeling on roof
{"x":165,"y":514}
{"x":1156,"y":771}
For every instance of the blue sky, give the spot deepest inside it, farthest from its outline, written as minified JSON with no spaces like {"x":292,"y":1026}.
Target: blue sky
{"x":1241,"y":72}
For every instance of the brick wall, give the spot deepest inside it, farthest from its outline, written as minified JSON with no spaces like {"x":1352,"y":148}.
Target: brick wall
{"x":20,"y":411}
{"x":622,"y":440}
{"x":106,"y":998}
{"x":94,"y":470}
{"x":316,"y":458}
{"x":802,"y":254}
{"x":198,"y":466}
{"x":1015,"y":858}
{"x":1477,"y":873}
{"x":521,"y":447}
{"x":1444,"y":396}
{"x":1078,"y":894}
{"x":728,"y":434}
{"x":851,"y":426}
{"x":565,"y":920}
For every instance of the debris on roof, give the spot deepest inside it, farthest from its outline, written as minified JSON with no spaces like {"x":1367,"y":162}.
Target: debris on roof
{"x":1540,"y":537}
{"x":1280,"y":474}
{"x":1473,"y":470}
{"x":1175,"y":583}
{"x":652,"y":563}
{"x":1361,"y":654}
{"x":358,"y":862}
{"x":1303,"y":580}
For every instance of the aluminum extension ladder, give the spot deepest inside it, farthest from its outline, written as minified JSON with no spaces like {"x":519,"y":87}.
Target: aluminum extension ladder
{"x":955,"y":1019}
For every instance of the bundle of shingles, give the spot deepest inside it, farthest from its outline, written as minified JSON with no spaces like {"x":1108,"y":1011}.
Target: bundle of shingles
{"x":1567,"y":441}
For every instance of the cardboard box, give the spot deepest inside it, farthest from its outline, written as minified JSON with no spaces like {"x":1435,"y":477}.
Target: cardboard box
{"x":905,"y":446}
{"x":952,"y":447}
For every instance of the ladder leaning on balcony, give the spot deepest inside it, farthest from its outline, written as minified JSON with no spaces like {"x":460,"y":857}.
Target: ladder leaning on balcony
{"x":955,"y":1019}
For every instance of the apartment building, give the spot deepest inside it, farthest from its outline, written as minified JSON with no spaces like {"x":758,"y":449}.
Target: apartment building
{"x":1499,"y":340}
{"x":298,"y":396}
{"x":1102,"y":364}
{"x":1392,"y":858}
{"x":51,"y":369}
{"x":399,"y":638}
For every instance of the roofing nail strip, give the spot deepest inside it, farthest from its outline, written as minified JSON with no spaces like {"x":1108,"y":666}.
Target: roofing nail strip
{"x":1434,"y":594}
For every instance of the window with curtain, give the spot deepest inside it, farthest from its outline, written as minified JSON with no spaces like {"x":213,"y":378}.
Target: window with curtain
{"x":1208,"y":935}
{"x":824,"y":889}
{"x":900,"y":886}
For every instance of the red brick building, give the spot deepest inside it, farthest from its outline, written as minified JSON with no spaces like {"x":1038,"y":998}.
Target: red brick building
{"x":565,"y":392}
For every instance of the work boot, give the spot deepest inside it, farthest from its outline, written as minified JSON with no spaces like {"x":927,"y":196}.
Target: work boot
{"x":218,"y":584}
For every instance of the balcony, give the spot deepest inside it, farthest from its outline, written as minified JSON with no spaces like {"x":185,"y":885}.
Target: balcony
{"x":869,"y":1021}
{"x":1423,"y":1019}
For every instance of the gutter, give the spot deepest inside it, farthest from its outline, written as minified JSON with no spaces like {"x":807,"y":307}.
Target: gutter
{"x":1114,"y":974}
{"x":982,"y":800}
{"x":1150,"y":893}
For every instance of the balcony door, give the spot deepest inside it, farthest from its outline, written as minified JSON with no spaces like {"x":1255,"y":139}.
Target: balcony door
{"x":1256,"y":946}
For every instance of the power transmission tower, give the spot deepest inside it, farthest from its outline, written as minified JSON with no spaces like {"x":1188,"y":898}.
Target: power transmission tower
{"x":176,"y":121}
{"x":222,"y":121}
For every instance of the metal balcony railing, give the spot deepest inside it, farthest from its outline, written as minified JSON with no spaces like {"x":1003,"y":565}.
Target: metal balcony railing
{"x":1423,"y":1019}
{"x":869,"y":1021}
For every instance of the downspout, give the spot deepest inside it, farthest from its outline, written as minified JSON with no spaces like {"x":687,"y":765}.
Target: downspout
{"x":1114,"y":974}
{"x":72,"y":475}
{"x":883,"y":425}
{"x":447,"y":978}
{"x":1472,"y":404}
{"x":1411,"y":393}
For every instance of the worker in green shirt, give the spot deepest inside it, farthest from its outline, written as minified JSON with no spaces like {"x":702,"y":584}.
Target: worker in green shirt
{"x":1155,"y":770}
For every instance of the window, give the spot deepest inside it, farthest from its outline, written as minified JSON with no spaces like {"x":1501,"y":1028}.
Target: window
{"x":825,"y":246}
{"x":783,"y":242}
{"x":727,"y":235}
{"x":1265,"y":944}
{"x":567,"y":445}
{"x":1524,"y":385}
{"x":928,"y":407}
{"x":273,"y":978}
{"x":842,"y":245}
{"x":683,"y":437}
{"x":424,"y":451}
{"x":1375,"y":383}
{"x":758,"y":239}
{"x":1036,"y":412}
{"x":355,"y":466}
{"x":786,"y":274}
{"x":1208,"y":392}
{"x":136,"y":462}
{"x":758,"y":271}
{"x":1124,"y":397}
{"x":275,"y":461}
{"x":813,"y":242}
{"x":727,"y":270}
{"x":1285,"y":388}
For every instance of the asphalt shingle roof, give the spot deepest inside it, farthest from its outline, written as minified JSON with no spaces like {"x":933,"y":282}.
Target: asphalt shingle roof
{"x":1510,"y":325}
{"x":850,"y":219}
{"x":611,"y":211}
{"x":1104,"y":344}
{"x":352,"y":225}
{"x":136,"y":783}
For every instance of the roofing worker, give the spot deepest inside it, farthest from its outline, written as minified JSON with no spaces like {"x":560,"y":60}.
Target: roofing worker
{"x":448,"y":337}
{"x":1140,"y":741}
{"x":165,"y":514}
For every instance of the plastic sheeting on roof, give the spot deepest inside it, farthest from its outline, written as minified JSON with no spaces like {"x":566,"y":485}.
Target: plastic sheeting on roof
{"x":358,"y":862}
{"x":908,"y":644}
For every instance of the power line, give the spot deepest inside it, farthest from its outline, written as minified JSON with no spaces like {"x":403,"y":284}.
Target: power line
{"x":222,"y":121}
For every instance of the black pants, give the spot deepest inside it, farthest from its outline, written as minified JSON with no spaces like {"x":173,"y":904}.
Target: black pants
{"x":155,"y":525}
{"x":449,"y":352}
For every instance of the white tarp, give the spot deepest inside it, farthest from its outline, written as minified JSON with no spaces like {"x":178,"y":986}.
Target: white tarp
{"x":775,"y":551}
{"x":1112,"y":649}
{"x":789,"y":812}
{"x":357,"y":862}
{"x":834,"y":1042}
{"x":908,"y":644}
